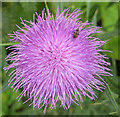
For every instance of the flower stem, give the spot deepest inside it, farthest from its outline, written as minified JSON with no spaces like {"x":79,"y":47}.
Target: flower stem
{"x":112,"y":99}
{"x":46,"y":6}
{"x":88,"y":9}
{"x":114,"y":68}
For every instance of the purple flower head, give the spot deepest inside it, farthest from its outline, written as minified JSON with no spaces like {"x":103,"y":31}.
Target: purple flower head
{"x":57,"y":58}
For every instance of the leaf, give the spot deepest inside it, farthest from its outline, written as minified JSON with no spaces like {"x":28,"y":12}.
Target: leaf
{"x":113,"y":113}
{"x":5,"y":77}
{"x":112,"y":45}
{"x":109,"y":16}
{"x":94,"y":20}
{"x":4,"y":54}
{"x":29,"y":7}
{"x":4,"y":88}
{"x":10,"y":16}
{"x":114,"y":68}
{"x":10,"y":104}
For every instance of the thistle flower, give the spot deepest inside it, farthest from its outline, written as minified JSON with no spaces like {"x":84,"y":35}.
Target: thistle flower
{"x":57,"y":58}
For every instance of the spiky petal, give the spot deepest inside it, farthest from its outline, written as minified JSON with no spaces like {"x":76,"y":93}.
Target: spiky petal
{"x":51,"y":65}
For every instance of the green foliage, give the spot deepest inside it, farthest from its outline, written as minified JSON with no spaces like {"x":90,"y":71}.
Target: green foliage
{"x":101,"y":14}
{"x":112,"y":44}
{"x":11,"y":106}
{"x":111,"y":11}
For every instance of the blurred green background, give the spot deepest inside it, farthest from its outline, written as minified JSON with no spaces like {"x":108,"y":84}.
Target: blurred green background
{"x":103,"y":14}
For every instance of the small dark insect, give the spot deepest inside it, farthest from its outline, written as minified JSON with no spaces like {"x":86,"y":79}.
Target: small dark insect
{"x":76,"y":33}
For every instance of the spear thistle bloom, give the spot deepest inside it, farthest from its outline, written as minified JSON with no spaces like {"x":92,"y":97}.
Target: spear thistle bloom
{"x":57,"y":58}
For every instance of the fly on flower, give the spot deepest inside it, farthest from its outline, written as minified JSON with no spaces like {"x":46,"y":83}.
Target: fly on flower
{"x":50,"y":66}
{"x":76,"y":33}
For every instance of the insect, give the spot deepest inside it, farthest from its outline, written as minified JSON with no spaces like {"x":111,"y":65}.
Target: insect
{"x":76,"y":33}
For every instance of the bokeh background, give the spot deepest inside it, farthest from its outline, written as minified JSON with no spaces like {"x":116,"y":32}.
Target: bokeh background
{"x":104,"y":14}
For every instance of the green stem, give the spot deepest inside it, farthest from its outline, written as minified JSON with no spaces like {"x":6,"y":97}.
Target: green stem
{"x":88,"y":9}
{"x":46,"y":6}
{"x":114,"y":68}
{"x":112,"y":99}
{"x":7,"y":44}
